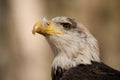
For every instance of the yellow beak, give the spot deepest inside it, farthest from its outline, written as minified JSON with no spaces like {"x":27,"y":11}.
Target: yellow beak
{"x":45,"y":28}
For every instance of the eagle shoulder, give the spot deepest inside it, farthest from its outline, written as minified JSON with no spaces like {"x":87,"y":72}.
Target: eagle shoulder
{"x":96,"y":71}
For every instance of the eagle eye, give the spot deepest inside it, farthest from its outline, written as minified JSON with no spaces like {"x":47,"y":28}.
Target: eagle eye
{"x":66,"y":25}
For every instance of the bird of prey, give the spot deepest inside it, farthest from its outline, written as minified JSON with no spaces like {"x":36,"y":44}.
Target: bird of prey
{"x":76,"y":51}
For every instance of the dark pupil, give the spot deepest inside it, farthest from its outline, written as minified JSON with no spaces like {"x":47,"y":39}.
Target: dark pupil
{"x":66,"y":25}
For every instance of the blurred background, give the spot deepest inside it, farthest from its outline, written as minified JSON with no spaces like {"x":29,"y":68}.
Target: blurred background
{"x":24,"y":56}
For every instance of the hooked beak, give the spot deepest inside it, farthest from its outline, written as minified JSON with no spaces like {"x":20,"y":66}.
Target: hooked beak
{"x":45,"y":27}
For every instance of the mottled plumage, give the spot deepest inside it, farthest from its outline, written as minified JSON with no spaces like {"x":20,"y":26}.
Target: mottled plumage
{"x":76,"y":51}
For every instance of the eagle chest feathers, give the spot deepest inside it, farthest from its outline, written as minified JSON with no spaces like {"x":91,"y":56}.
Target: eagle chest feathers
{"x":76,"y":51}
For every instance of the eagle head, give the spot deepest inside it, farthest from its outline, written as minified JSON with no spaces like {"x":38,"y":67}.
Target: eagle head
{"x":70,"y":41}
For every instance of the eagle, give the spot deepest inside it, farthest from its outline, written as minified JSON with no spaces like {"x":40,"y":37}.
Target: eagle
{"x":76,"y":51}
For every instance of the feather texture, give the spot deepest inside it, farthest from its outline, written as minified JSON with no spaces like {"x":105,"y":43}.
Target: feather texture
{"x":94,"y":71}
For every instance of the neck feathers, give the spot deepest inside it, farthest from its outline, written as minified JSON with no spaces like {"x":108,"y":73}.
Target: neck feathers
{"x":75,"y":52}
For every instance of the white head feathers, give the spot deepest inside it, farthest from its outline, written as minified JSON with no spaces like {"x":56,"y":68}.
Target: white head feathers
{"x":76,"y":47}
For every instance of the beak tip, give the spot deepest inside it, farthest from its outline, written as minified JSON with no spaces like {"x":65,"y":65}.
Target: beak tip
{"x":33,"y":32}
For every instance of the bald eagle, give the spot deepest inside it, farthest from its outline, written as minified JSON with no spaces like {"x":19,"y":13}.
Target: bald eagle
{"x":76,"y":52}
